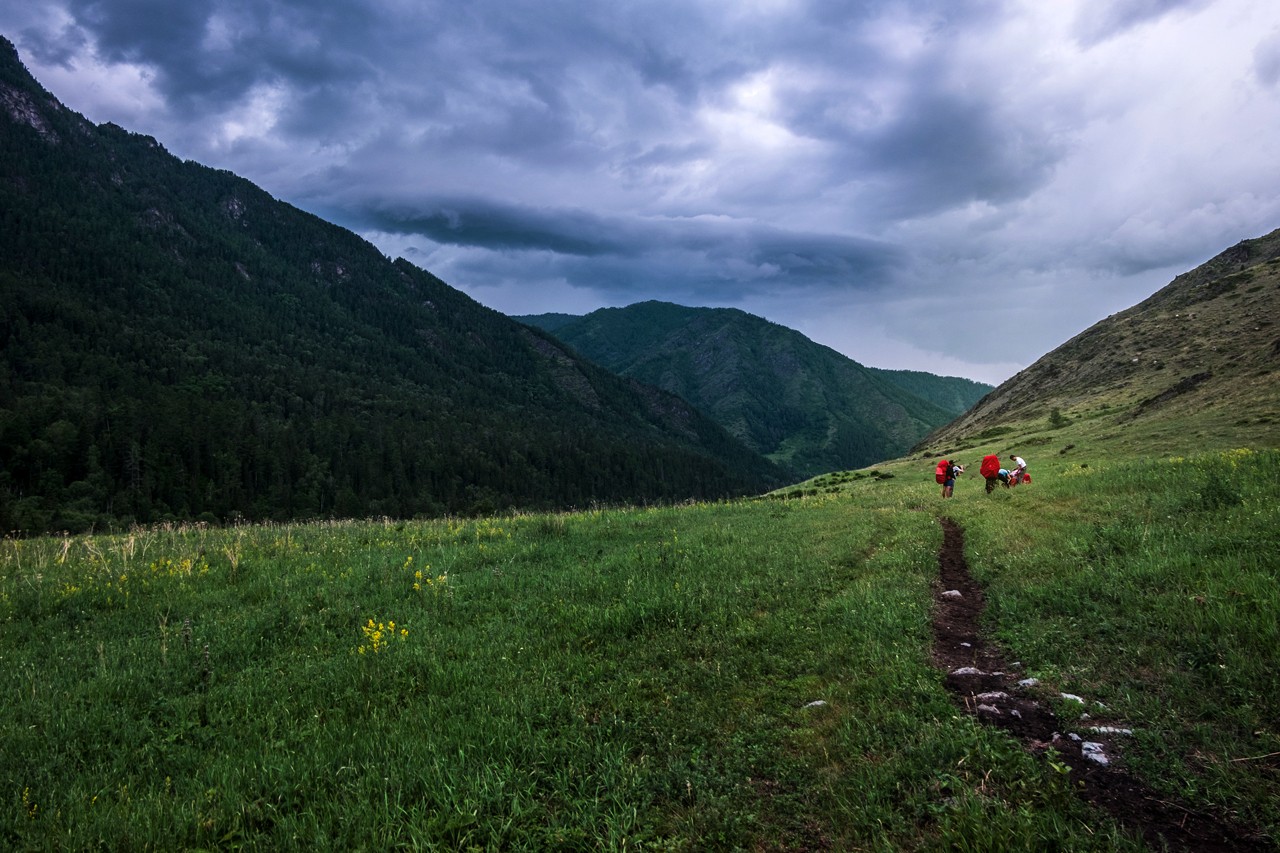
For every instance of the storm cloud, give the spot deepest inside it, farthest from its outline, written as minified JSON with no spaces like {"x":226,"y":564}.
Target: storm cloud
{"x":852,"y":170}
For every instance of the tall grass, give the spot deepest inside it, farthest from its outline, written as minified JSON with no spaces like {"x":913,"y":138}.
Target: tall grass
{"x":749,"y":675}
{"x":1151,"y":586}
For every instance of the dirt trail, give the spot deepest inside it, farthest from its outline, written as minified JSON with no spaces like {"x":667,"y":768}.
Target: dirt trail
{"x":982,"y":683}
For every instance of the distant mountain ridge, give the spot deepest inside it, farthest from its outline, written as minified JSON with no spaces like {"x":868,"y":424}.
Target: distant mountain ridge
{"x":799,"y":403}
{"x":1208,"y":343}
{"x":177,"y":344}
{"x":955,"y":394}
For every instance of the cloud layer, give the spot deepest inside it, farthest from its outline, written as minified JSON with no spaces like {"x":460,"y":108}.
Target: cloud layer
{"x":925,"y":184}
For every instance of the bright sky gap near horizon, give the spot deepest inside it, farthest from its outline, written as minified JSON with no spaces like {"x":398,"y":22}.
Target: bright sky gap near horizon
{"x":955,"y":187}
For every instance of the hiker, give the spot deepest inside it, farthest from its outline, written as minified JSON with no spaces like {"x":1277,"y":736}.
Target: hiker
{"x":944,"y":476}
{"x":1003,"y":476}
{"x":948,"y":485}
{"x":990,"y":470}
{"x":1019,"y":472}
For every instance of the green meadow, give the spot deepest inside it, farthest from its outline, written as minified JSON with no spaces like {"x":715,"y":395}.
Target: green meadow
{"x":748,"y":675}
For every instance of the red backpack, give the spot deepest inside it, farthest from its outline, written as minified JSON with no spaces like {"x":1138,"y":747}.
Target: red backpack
{"x":990,"y":466}
{"x":942,"y":471}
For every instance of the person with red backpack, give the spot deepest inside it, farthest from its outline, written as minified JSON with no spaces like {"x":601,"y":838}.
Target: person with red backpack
{"x":946,"y":474}
{"x":990,"y":470}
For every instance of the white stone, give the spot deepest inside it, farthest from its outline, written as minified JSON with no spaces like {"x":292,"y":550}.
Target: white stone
{"x":952,"y":593}
{"x":1093,"y":752}
{"x":1028,"y":682}
{"x":967,"y":670}
{"x":1073,"y":697}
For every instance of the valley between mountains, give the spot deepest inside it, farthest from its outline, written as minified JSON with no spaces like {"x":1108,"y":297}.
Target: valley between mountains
{"x":305,"y":548}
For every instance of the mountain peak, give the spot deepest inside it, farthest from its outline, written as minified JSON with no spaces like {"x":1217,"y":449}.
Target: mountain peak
{"x":9,"y":56}
{"x":799,"y":403}
{"x":22,"y":99}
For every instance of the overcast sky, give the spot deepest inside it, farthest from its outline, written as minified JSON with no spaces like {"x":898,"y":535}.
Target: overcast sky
{"x":957,"y":186}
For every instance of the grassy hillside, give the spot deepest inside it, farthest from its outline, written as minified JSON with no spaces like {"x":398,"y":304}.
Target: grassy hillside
{"x":801,"y":404}
{"x":1196,"y":361}
{"x":747,"y":675}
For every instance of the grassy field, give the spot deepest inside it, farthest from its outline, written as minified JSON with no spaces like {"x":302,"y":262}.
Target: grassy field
{"x":751,"y":675}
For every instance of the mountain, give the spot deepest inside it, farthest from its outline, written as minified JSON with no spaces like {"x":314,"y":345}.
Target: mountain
{"x":549,"y":322}
{"x":177,"y":344}
{"x":799,"y":403}
{"x":952,"y":393}
{"x":1196,"y":361}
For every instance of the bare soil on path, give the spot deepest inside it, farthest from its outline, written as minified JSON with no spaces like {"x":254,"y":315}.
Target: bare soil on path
{"x":982,"y":683}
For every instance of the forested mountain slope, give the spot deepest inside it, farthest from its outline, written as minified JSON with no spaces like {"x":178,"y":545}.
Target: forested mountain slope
{"x":178,"y":344}
{"x":955,"y":394}
{"x":800,"y":403}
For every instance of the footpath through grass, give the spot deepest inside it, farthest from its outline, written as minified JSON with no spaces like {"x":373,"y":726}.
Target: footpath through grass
{"x":751,"y":675}
{"x":1151,"y":586}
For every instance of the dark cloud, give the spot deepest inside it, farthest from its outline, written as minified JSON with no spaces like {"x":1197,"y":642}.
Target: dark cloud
{"x":154,"y":32}
{"x":1266,"y":60}
{"x":480,"y":223}
{"x":824,"y":259}
{"x":942,"y":139}
{"x":801,"y":157}
{"x":210,"y":56}
{"x":727,"y":256}
{"x":165,"y":38}
{"x":1098,"y":20}
{"x":59,"y":46}
{"x":946,"y":149}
